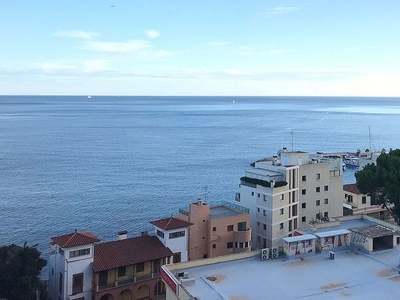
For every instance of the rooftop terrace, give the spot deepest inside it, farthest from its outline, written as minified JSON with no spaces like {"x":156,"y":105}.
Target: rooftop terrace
{"x":351,"y":275}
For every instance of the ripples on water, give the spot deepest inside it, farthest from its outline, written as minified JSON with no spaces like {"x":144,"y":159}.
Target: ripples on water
{"x":111,"y":163}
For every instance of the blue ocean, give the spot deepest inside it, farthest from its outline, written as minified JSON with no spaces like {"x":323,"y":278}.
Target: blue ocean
{"x":107,"y":164}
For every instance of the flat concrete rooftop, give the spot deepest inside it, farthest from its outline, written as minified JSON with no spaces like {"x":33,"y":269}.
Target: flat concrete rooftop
{"x":351,"y":275}
{"x":222,"y":210}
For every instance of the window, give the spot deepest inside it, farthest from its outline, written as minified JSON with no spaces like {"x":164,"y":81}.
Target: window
{"x":77,"y":283}
{"x":304,"y":178}
{"x":160,"y":233}
{"x":264,"y":212}
{"x":317,"y":189}
{"x":61,"y":251}
{"x":229,"y":228}
{"x":252,"y":193}
{"x":60,"y":283}
{"x":318,"y":202}
{"x":259,"y":239}
{"x":258,"y":195}
{"x":229,"y":245}
{"x":282,"y":197}
{"x":281,"y":211}
{"x":281,"y":226}
{"x":177,"y":234}
{"x":364,"y":199}
{"x":265,"y":197}
{"x":103,"y":278}
{"x":214,"y":246}
{"x":140,"y":267}
{"x":326,"y":214}
{"x":121,"y":271}
{"x":258,"y":223}
{"x":303,"y":191}
{"x":265,"y":226}
{"x":303,"y":219}
{"x":214,"y":228}
{"x":318,"y":176}
{"x":177,"y":257}
{"x":325,"y":188}
{"x":79,"y":252}
{"x":303,"y":205}
{"x":326,"y":201}
{"x":242,"y":226}
{"x":258,"y":209}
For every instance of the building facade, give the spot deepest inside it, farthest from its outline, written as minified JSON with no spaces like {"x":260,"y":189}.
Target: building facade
{"x":129,"y":269}
{"x":70,"y":266}
{"x":219,"y":229}
{"x":80,"y":268}
{"x":288,"y":191}
{"x":356,"y":203}
{"x":173,"y":233}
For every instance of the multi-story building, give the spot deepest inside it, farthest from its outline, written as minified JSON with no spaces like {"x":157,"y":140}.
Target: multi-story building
{"x":288,"y":191}
{"x":356,"y":203}
{"x":70,"y":266}
{"x":129,"y":268}
{"x":173,"y":233}
{"x":218,"y":229}
{"x":125,"y":269}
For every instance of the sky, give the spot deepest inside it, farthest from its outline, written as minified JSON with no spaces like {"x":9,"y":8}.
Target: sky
{"x":202,"y":47}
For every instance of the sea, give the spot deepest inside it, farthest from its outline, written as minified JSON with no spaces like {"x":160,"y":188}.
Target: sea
{"x":106,"y":163}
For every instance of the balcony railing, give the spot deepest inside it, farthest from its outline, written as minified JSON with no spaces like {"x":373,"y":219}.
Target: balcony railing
{"x":126,"y":281}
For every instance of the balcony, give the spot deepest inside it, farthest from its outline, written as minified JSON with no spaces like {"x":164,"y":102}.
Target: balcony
{"x":127,"y":281}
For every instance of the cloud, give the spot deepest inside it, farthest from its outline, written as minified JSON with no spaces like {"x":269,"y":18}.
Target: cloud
{"x":79,"y":34}
{"x":216,"y":43}
{"x":117,"y":47}
{"x":53,"y":66}
{"x":152,"y":34}
{"x":279,"y":10}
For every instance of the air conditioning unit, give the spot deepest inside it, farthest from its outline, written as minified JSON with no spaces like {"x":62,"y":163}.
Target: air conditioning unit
{"x":264,"y":254}
{"x":275,"y":252}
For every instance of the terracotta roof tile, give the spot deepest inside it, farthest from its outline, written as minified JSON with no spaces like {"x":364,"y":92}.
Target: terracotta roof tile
{"x":352,"y":188}
{"x":127,"y":252}
{"x":75,"y":239}
{"x":171,"y":223}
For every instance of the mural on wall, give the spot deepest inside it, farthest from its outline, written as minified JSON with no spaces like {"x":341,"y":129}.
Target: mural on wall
{"x":358,"y":239}
{"x":301,"y":247}
{"x":331,"y":242}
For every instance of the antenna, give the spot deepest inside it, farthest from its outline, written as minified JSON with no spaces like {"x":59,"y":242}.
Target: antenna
{"x":206,"y":192}
{"x":292,"y":133}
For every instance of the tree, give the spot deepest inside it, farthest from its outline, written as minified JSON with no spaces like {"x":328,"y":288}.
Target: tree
{"x":382,"y":182}
{"x":20,"y":269}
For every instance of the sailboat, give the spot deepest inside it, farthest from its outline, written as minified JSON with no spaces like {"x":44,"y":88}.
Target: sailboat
{"x":89,"y":97}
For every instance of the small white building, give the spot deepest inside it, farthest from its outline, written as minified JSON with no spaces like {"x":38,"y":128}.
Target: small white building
{"x":70,"y":266}
{"x":173,"y":233}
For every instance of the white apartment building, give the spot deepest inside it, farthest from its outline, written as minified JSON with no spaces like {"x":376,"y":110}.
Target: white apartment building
{"x":70,"y":266}
{"x":288,"y":191}
{"x":173,"y":233}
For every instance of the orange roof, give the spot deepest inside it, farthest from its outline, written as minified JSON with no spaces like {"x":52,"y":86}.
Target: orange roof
{"x":171,"y":223}
{"x":75,"y":239}
{"x":352,"y":188}
{"x":127,"y":252}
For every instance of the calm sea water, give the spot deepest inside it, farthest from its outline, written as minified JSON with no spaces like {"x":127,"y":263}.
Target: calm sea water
{"x":115,"y":163}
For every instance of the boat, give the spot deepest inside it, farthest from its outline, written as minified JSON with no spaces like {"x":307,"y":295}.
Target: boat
{"x":351,"y":161}
{"x":89,"y":97}
{"x":233,"y":101}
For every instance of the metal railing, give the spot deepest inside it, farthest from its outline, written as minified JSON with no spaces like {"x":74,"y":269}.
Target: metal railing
{"x":127,"y":281}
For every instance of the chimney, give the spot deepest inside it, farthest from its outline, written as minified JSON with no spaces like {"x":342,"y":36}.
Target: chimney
{"x":199,"y":201}
{"x":144,"y":233}
{"x":122,"y":235}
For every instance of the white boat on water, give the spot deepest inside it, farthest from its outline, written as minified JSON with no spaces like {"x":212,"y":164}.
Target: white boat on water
{"x":89,"y":97}
{"x":351,"y":161}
